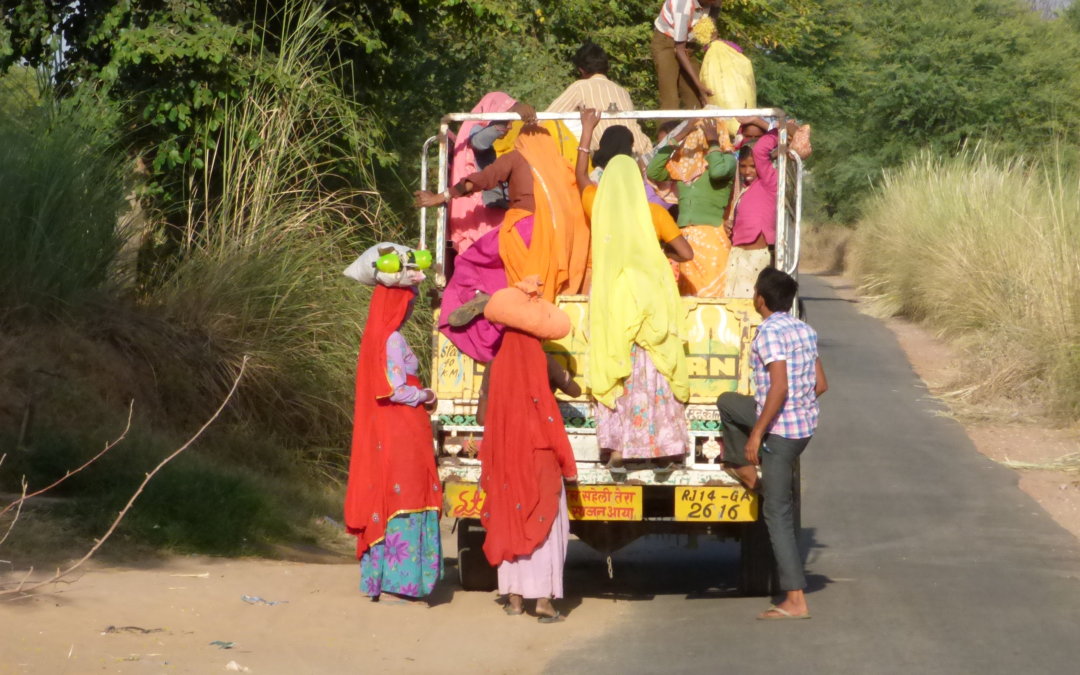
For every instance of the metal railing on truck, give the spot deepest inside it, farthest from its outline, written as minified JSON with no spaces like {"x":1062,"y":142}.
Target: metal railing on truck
{"x":788,"y":189}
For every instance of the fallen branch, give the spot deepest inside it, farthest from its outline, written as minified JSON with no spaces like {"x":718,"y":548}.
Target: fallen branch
{"x":108,"y":446}
{"x":1065,"y":464}
{"x":60,"y":574}
{"x":18,"y":512}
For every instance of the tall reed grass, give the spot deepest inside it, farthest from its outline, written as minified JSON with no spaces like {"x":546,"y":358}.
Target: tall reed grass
{"x":985,"y":250}
{"x":283,"y":205}
{"x":61,"y":191}
{"x":285,"y":202}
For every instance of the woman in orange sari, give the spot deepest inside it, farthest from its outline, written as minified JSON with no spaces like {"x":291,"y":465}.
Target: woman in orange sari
{"x":544,"y":233}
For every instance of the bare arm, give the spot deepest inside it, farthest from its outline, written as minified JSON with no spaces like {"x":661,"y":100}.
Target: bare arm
{"x":589,"y":118}
{"x":774,"y":402}
{"x":821,"y":385}
{"x":679,"y":250}
{"x":561,"y":378}
{"x":481,"y":402}
{"x":688,"y":69}
{"x":494,"y":174}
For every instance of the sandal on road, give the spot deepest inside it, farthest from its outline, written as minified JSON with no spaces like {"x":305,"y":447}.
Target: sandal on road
{"x":774,"y":613}
{"x":510,"y":610}
{"x":557,"y":617}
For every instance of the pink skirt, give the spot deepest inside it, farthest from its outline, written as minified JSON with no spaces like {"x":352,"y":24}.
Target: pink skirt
{"x":648,"y":422}
{"x":540,"y":574}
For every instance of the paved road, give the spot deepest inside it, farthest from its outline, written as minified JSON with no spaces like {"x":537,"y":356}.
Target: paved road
{"x":923,"y":556}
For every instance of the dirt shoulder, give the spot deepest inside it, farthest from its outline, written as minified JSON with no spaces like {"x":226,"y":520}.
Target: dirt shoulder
{"x":936,"y":362}
{"x":166,"y":617}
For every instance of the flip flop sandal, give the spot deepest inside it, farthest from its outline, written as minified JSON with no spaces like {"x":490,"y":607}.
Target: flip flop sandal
{"x":663,"y":472}
{"x":781,"y":615}
{"x":619,"y":474}
{"x":557,"y":617}
{"x":510,"y":611}
{"x":734,"y":474}
{"x":468,"y":310}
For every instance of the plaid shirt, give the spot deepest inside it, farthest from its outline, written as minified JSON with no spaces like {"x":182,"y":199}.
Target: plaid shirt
{"x":782,"y":337}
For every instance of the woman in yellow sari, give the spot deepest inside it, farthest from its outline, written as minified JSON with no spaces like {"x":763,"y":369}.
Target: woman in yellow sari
{"x":726,"y":71}
{"x":637,"y":365}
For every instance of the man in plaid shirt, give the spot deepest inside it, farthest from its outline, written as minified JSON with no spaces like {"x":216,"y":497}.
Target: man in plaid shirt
{"x":774,"y":426}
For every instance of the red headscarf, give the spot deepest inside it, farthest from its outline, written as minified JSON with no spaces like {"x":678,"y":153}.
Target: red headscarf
{"x":392,"y":468}
{"x":524,"y":448}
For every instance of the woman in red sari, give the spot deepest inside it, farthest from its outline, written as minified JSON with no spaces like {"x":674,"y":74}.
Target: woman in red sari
{"x":525,"y":456}
{"x":394,"y":497}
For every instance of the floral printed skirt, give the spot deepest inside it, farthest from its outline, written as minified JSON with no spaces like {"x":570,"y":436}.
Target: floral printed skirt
{"x":408,"y":561}
{"x":648,"y":421}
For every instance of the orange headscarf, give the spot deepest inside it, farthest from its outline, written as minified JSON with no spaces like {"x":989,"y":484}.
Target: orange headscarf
{"x":559,"y":250}
{"x":689,"y":162}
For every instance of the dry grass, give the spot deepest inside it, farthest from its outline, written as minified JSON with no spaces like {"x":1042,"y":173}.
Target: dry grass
{"x":985,"y":252}
{"x":825,"y":249}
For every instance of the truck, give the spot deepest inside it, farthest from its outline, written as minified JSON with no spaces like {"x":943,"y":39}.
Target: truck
{"x":607,"y":510}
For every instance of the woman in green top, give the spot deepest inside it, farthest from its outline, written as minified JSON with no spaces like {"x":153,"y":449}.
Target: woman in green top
{"x":700,"y":158}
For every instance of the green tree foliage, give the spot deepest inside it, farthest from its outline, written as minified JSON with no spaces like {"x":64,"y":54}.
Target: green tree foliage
{"x":169,"y":66}
{"x":882,"y":80}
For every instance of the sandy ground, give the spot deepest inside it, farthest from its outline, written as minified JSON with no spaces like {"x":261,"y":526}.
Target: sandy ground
{"x":936,"y":363}
{"x":165,"y":618}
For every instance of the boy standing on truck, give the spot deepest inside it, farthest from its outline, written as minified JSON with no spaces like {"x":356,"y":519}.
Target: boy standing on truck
{"x":773,"y":427}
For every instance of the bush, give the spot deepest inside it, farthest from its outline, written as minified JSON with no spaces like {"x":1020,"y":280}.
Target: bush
{"x":61,"y":191}
{"x":984,"y":250}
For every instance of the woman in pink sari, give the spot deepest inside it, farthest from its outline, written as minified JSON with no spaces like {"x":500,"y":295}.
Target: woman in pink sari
{"x":474,"y":214}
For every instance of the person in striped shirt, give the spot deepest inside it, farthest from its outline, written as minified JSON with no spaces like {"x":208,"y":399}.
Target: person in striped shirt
{"x":676,"y":72}
{"x":596,"y":92}
{"x":774,"y":426}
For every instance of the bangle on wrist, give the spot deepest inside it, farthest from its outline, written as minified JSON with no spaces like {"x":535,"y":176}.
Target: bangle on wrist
{"x":445,"y":194}
{"x":582,"y":148}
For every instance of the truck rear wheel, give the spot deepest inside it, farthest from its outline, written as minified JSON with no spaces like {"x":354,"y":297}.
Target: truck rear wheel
{"x":474,"y":572}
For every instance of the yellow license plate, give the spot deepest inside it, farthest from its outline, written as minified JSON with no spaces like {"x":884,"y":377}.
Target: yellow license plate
{"x":715,"y":504}
{"x":590,"y":502}
{"x":604,"y":502}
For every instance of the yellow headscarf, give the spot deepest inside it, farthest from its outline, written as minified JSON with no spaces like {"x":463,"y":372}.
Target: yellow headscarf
{"x":634,"y":295}
{"x":564,"y":139}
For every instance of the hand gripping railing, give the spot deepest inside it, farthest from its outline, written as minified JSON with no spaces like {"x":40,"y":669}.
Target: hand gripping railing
{"x":786,"y":260}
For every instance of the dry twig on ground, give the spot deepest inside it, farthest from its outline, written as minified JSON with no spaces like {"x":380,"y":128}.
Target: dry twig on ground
{"x":1066,"y":464}
{"x":22,"y":588}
